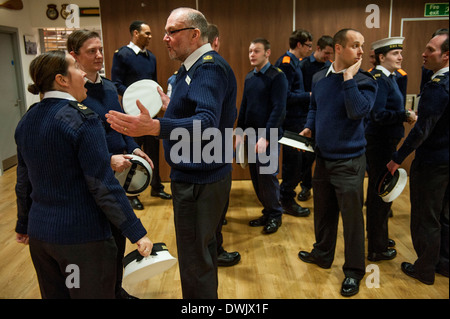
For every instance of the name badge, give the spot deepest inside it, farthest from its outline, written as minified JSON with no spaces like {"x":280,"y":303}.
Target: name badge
{"x":188,"y":80}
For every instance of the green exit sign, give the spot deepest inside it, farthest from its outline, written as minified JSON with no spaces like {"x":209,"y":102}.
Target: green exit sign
{"x":436,"y":9}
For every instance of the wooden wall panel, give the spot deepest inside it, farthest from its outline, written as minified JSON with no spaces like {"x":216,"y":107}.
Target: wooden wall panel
{"x":327,"y":17}
{"x":116,"y":16}
{"x":240,"y":22}
{"x":417,"y":34}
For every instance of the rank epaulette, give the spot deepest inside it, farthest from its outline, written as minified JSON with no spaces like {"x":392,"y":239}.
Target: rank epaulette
{"x":81,"y":108}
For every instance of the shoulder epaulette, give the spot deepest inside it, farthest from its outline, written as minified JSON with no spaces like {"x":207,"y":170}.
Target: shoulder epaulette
{"x":286,"y":59}
{"x":402,"y":72}
{"x":33,"y":105}
{"x":368,"y":74}
{"x":81,"y":108}
{"x":376,"y":73}
{"x":121,"y":48}
{"x":208,"y":58}
{"x":273,"y":72}
{"x":439,"y":78}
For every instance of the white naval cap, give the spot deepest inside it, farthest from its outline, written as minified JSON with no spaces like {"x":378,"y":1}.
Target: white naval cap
{"x":387,"y":44}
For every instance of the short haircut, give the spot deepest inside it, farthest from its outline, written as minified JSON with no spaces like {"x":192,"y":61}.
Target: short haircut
{"x":136,"y":25}
{"x":213,"y":32}
{"x":301,"y":36}
{"x":77,"y":38}
{"x":325,"y":41}
{"x":263,"y":41}
{"x":444,"y":45}
{"x":197,"y":20}
{"x":341,"y":36}
{"x":440,"y":31}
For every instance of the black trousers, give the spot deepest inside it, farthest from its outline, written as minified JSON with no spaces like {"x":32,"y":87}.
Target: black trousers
{"x":291,"y":171}
{"x":197,"y":212}
{"x":429,"y":217}
{"x":121,"y":243}
{"x":308,"y":159}
{"x":219,"y":236}
{"x":267,"y":189}
{"x":378,"y":153}
{"x":339,"y":186}
{"x":150,"y":145}
{"x":60,"y":268}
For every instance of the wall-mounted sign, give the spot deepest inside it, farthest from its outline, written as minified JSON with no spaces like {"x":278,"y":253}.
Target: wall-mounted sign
{"x":89,"y":12}
{"x":64,"y":13}
{"x":52,"y":12}
{"x":436,"y":10}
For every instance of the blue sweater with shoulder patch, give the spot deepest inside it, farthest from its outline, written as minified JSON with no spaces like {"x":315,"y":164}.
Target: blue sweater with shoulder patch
{"x":337,"y":112}
{"x":430,"y":135}
{"x":66,"y":190}
{"x":203,"y":99}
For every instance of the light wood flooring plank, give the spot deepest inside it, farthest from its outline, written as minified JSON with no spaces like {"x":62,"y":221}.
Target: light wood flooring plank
{"x":269,"y":268}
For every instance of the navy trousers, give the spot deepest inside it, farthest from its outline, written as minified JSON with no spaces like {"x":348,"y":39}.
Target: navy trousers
{"x":429,"y":217}
{"x":339,"y":187}
{"x":198,"y":209}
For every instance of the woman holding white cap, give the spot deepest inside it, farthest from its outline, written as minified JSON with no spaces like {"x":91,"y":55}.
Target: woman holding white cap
{"x":66,"y":189}
{"x":384,"y":131}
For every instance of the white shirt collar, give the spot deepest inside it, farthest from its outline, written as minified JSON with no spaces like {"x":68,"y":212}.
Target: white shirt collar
{"x":135,"y":48}
{"x":97,"y":80}
{"x":384,"y":70}
{"x":441,"y":71}
{"x":331,"y":69}
{"x":58,"y":95}
{"x":189,"y":62}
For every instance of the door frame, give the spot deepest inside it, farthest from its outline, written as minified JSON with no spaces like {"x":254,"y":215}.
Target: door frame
{"x":14,"y":32}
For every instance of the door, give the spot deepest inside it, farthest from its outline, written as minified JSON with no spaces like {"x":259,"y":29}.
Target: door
{"x":11,"y":98}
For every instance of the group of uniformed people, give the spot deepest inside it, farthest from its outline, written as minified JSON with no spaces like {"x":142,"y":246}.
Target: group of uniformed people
{"x":72,"y":209}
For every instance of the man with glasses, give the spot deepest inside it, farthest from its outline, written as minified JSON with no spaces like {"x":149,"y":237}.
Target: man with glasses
{"x":300,"y":44}
{"x":204,"y":97}
{"x":132,"y":63}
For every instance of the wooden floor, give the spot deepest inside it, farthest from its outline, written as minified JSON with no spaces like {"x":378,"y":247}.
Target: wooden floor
{"x":269,"y":268}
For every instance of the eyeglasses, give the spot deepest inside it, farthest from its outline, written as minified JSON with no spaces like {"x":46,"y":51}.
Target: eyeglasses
{"x":171,"y":33}
{"x":308,"y":45}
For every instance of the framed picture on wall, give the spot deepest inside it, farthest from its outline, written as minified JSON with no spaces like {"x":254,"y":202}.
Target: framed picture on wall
{"x":30,"y":44}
